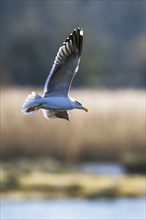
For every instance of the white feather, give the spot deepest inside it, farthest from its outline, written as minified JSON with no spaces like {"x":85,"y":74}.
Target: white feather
{"x":32,"y":100}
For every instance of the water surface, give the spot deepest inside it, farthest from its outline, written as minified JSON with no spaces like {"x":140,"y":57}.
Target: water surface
{"x":103,"y":168}
{"x":74,"y":209}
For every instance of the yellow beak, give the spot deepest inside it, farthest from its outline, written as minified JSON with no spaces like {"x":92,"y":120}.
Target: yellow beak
{"x":85,"y":109}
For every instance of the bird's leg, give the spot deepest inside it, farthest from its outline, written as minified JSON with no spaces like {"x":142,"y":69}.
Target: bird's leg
{"x":31,"y":109}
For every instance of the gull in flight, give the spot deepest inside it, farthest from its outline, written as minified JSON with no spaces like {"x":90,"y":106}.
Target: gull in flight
{"x":56,"y":101}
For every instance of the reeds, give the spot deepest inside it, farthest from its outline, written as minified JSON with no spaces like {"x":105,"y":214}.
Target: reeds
{"x":113,"y":128}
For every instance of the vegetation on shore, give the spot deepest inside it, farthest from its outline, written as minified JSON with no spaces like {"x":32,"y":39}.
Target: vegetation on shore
{"x":26,"y":179}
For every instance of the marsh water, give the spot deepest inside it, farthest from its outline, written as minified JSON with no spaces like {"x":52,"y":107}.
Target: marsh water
{"x":74,"y":209}
{"x":103,"y":168}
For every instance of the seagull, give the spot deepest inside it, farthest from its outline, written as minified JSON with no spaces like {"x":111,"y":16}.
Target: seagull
{"x":55,"y":102}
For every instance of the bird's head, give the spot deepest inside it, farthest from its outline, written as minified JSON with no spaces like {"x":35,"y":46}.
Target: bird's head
{"x":79,"y":105}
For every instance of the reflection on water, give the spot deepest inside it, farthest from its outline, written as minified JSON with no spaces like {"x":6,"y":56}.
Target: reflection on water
{"x":103,"y":168}
{"x":77,"y":209}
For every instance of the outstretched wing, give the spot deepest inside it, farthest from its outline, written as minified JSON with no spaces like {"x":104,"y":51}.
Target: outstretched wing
{"x":65,"y":65}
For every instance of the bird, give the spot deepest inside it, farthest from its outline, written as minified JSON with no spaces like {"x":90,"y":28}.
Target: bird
{"x":56,"y":101}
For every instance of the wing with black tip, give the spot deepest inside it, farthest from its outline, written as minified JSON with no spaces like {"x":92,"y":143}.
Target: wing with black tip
{"x":65,"y":65}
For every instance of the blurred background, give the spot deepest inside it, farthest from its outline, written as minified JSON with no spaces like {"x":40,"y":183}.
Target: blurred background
{"x":92,"y":167}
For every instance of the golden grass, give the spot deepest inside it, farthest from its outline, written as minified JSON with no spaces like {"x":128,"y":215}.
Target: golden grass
{"x":85,"y":184}
{"x":51,"y":179}
{"x":113,"y":127}
{"x":73,"y":185}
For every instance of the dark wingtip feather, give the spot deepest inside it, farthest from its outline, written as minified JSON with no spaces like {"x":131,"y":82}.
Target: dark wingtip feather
{"x":77,"y":40}
{"x":80,"y":33}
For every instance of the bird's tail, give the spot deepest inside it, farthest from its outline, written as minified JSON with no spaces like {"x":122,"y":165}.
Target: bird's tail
{"x":32,"y":104}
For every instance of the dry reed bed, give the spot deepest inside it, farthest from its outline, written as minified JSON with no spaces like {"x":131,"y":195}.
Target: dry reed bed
{"x":113,"y":127}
